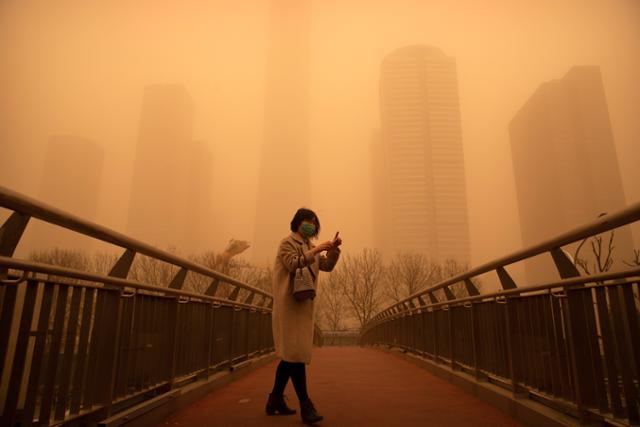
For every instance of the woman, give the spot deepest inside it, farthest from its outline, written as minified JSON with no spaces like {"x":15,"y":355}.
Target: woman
{"x":292,"y":320}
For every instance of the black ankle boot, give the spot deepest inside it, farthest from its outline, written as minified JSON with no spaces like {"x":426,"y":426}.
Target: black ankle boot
{"x":309,"y":413}
{"x":277,"y":405}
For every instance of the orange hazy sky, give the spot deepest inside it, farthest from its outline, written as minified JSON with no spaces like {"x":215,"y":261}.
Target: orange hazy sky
{"x":79,"y":67}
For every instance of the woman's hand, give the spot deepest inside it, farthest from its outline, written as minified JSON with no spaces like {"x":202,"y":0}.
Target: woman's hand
{"x":324,"y":246}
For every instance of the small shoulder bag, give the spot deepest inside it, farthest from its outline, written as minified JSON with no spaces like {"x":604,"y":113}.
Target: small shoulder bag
{"x":303,"y":284}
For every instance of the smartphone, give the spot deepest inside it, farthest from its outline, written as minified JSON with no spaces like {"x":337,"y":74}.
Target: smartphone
{"x":336,"y":236}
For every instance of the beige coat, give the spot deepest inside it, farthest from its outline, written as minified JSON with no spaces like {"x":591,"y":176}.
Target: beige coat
{"x":292,"y":321}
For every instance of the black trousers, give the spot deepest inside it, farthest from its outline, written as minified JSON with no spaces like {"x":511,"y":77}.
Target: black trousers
{"x":297,"y":373}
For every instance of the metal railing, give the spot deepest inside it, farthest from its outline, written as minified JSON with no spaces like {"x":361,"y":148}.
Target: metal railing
{"x":573,"y":344}
{"x":79,"y":347}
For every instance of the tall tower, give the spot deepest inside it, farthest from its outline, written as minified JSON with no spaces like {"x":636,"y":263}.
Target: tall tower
{"x":565,"y":163}
{"x":71,"y":181}
{"x":284,"y":170}
{"x":421,"y":139}
{"x":158,"y":204}
{"x":203,"y":233}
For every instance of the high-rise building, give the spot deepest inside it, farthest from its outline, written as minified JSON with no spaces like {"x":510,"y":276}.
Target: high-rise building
{"x":565,"y":165}
{"x":284,"y":169}
{"x":71,"y":181}
{"x":203,"y":231}
{"x":421,"y":160}
{"x":159,"y":189}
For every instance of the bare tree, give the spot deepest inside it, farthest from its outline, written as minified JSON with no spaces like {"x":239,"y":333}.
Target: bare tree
{"x":225,"y":264}
{"x":198,"y":282}
{"x":69,"y":258}
{"x":409,"y":272}
{"x":450,"y":268}
{"x":332,"y":307}
{"x":239,"y":269}
{"x":152,"y":271}
{"x":103,"y":262}
{"x":602,"y":257}
{"x":635,"y":262}
{"x":363,"y":276}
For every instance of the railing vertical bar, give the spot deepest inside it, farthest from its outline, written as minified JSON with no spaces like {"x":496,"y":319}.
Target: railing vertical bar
{"x":156,"y":344}
{"x":580,"y":353}
{"x":536,"y":343}
{"x":54,"y":353}
{"x":497,"y":349}
{"x":559,"y":321}
{"x":38,"y":355}
{"x":173,"y":320}
{"x":609,"y":353}
{"x":95,"y":348}
{"x":113,"y":343}
{"x":452,"y":349}
{"x":68,"y":356}
{"x":82,"y":368}
{"x":597,"y":370}
{"x":510,"y":322}
{"x":8,"y":304}
{"x":632,"y":319}
{"x":546,"y":335}
{"x":209,"y":337}
{"x":135,"y":360}
{"x":124,"y":352}
{"x":621,"y":333}
{"x":232,"y":338}
{"x":10,"y":407}
{"x":168,"y":328}
{"x":436,"y":347}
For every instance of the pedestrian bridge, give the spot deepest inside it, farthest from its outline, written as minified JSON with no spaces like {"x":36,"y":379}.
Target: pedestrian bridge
{"x":82,"y":348}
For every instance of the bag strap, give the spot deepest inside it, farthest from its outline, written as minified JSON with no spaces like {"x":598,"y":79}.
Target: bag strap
{"x":301,"y":252}
{"x":312,"y":274}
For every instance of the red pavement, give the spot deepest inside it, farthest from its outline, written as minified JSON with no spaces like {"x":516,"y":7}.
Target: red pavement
{"x":350,"y":386}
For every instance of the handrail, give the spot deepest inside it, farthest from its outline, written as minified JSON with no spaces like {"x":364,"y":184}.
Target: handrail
{"x":26,"y":205}
{"x":605,"y":223}
{"x":30,"y":266}
{"x":612,"y":279}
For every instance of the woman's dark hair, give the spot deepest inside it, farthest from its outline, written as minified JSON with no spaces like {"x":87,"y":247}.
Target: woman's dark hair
{"x":305,"y":214}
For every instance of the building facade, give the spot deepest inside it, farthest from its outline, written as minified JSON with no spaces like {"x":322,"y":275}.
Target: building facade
{"x":419,"y":177}
{"x":71,"y":181}
{"x":161,"y":175}
{"x":565,"y":164}
{"x":284,"y":181}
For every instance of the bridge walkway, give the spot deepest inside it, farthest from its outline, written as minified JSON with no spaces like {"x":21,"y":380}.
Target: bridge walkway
{"x":350,"y":386}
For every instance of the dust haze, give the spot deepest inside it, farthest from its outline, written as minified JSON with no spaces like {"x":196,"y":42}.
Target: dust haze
{"x":81,"y":71}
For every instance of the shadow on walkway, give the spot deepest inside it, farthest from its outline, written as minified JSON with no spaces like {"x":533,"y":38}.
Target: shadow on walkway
{"x":350,"y":386}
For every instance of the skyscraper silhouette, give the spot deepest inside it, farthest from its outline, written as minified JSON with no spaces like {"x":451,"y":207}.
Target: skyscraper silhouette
{"x":71,"y":181}
{"x":159,"y":189}
{"x":203,"y":232}
{"x":565,"y":165}
{"x":284,"y":170}
{"x":423,"y":188}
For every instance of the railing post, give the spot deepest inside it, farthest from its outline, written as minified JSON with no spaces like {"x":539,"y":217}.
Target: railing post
{"x":174,"y":315}
{"x":232,"y":336}
{"x":435,"y":335}
{"x":452,"y":353}
{"x":210,"y":330}
{"x":512,"y":343}
{"x":580,"y":353}
{"x":474,"y":342}
{"x":113,"y":347}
